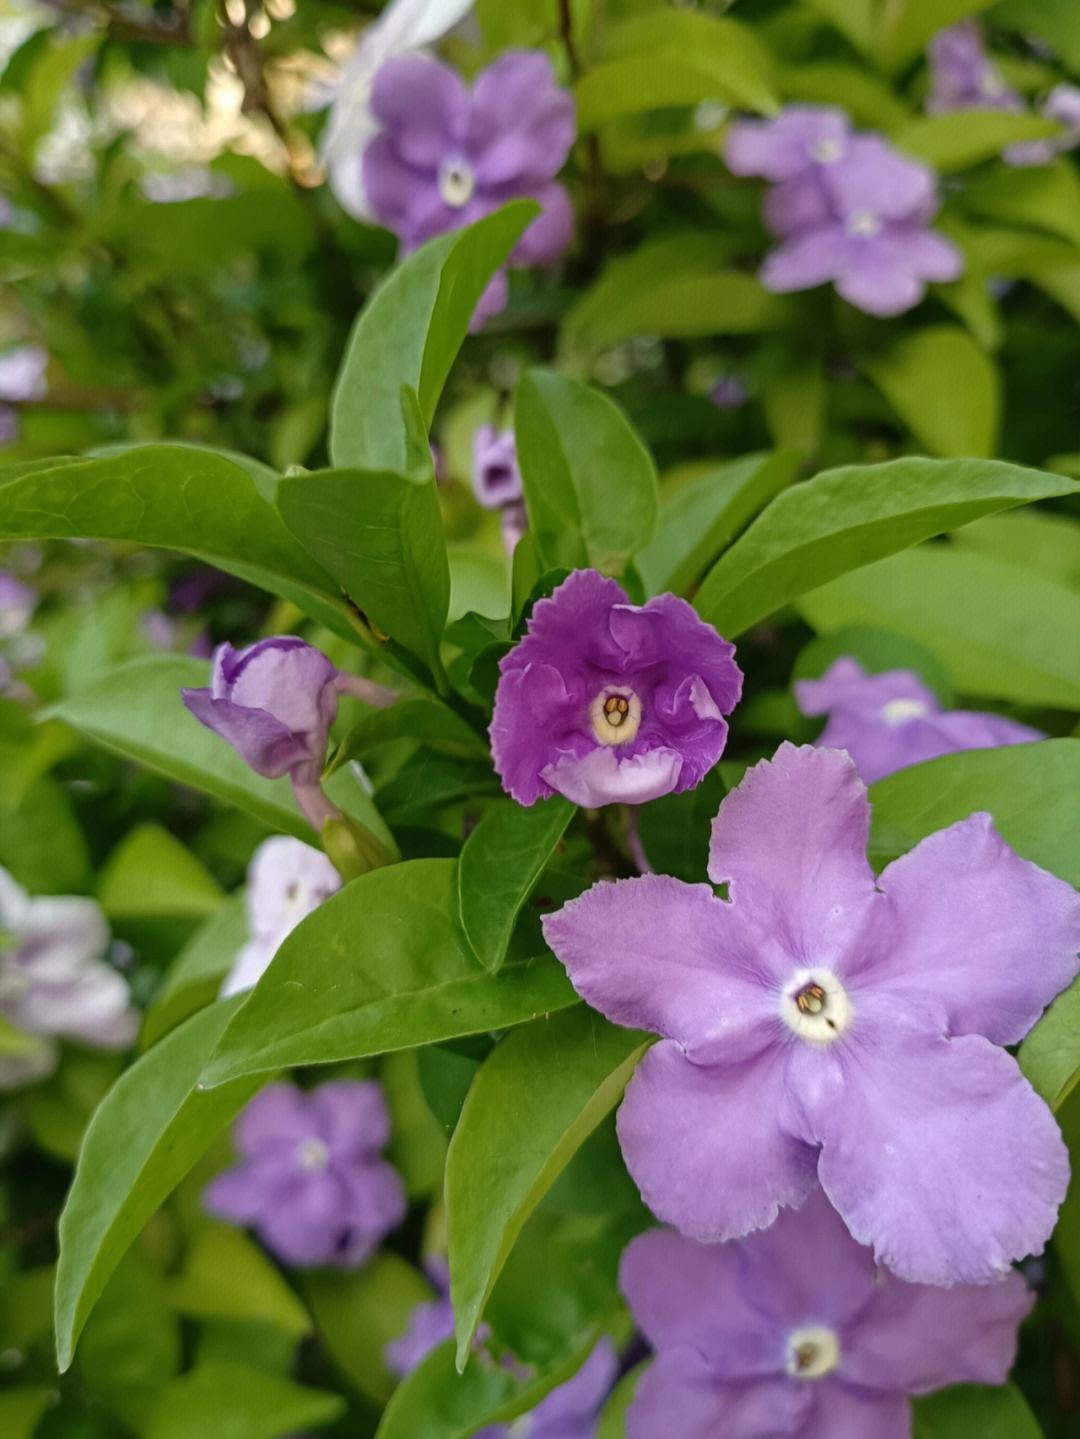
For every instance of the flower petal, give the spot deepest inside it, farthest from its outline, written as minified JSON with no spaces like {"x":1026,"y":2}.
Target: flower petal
{"x":278,"y":1115}
{"x":307,"y":1225}
{"x":876,"y":277}
{"x":601,"y":777}
{"x":808,"y":259}
{"x":679,"y":1395}
{"x":521,"y":124}
{"x":874,"y":177}
{"x":422,"y":105}
{"x":550,"y":234}
{"x":351,"y":1116}
{"x":784,"y":147}
{"x":842,"y":1413}
{"x":262,"y":741}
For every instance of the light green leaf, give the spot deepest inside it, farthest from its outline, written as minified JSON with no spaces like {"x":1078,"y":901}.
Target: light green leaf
{"x":855,"y":19}
{"x":682,"y":304}
{"x":380,"y":967}
{"x":20,"y":1410}
{"x":795,"y":398}
{"x":150,"y":873}
{"x":381,"y":537}
{"x":1055,"y":21}
{"x":499,"y":863}
{"x":226,"y":1275}
{"x":152,"y":1126}
{"x":1046,"y":197}
{"x":971,"y":1409}
{"x":866,"y":98}
{"x":238,"y":1401}
{"x":921,"y":375}
{"x":844,"y":519}
{"x":590,"y":483}
{"x":1032,"y":539}
{"x":409,"y":333}
{"x":613,"y":1418}
{"x":42,"y":844}
{"x":1001,"y":631}
{"x":967,"y":137}
{"x":195,"y":975}
{"x":905,"y":26}
{"x":537,"y":1097}
{"x":426,"y":719}
{"x":417,"y":1147}
{"x":1050,"y":1055}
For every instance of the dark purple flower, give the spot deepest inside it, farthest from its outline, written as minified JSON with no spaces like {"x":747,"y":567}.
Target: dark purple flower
{"x":311,"y":1181}
{"x":496,"y":478}
{"x":794,"y":1332}
{"x":604,"y":700}
{"x":821,"y":1025}
{"x":17,"y":604}
{"x":446,"y":155}
{"x":962,"y":75}
{"x":891,"y":720}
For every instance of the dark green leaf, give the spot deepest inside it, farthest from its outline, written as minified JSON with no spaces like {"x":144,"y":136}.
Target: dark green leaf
{"x":434,"y":724}
{"x":195,"y":975}
{"x":238,"y":1401}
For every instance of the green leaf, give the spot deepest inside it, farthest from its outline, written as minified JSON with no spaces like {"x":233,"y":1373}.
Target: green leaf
{"x":538,"y":1096}
{"x":675,"y":830}
{"x":1050,"y":1055}
{"x":1033,"y":539}
{"x":152,"y":1126}
{"x":150,"y":873}
{"x":136,"y":711}
{"x":41,"y":842}
{"x":613,"y":1418}
{"x":381,"y":537}
{"x":20,"y":1410}
{"x":409,"y":333}
{"x":967,"y":137}
{"x":795,"y":398}
{"x":866,"y":98}
{"x":971,"y":1409}
{"x":682,"y":304}
{"x":1055,"y":21}
{"x":699,"y":519}
{"x":906,"y":25}
{"x":238,"y":1401}
{"x":227,"y":1276}
{"x":499,"y":864}
{"x":854,"y":18}
{"x":590,"y":483}
{"x":1030,"y":790}
{"x":1000,"y":630}
{"x":195,"y":975}
{"x":844,"y":519}
{"x":921,"y":374}
{"x":427,"y":720}
{"x":331,"y":995}
{"x":417,"y":1147}
{"x":1046,"y":197}
{"x":177,"y":497}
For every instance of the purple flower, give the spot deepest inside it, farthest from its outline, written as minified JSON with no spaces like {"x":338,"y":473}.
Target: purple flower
{"x":17,"y":605}
{"x":891,"y":720}
{"x":848,"y":209}
{"x":496,"y":478}
{"x":54,"y":981}
{"x":729,"y":393}
{"x":22,"y":373}
{"x":962,"y":75}
{"x":1062,"y":105}
{"x":446,"y":156}
{"x":430,"y":1323}
{"x":795,"y":1332}
{"x":605,"y":701}
{"x":274,"y":702}
{"x":310,"y":1180}
{"x":821,"y":1025}
{"x":286,"y":881}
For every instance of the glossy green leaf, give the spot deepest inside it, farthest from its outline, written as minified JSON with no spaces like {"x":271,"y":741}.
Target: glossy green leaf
{"x":921,"y":374}
{"x":239,"y":1401}
{"x":1050,"y":1055}
{"x":195,"y":975}
{"x":1000,"y":631}
{"x":590,"y":484}
{"x":973,"y":1409}
{"x":380,"y":967}
{"x":427,"y":720}
{"x":538,"y":1096}
{"x":135,"y":710}
{"x":409,"y":333}
{"x":150,"y":873}
{"x":225,"y":1275}
{"x":499,"y":863}
{"x":967,"y":137}
{"x":381,"y":537}
{"x":845,"y":519}
{"x":153,"y":1125}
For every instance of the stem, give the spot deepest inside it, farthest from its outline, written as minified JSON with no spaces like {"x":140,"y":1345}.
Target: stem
{"x":380,"y":696}
{"x":314,"y":805}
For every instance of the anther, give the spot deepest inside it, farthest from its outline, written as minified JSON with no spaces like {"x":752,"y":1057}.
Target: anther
{"x":811,"y":1000}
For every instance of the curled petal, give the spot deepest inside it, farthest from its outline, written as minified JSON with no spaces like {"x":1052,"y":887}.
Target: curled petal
{"x":600,"y":777}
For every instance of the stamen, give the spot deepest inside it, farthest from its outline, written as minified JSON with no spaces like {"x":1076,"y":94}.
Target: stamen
{"x":312,"y":1155}
{"x":615,"y":715}
{"x":815,"y":1006}
{"x":811,"y":1000}
{"x":813,"y":1352}
{"x":864,"y":223}
{"x":456,"y":183}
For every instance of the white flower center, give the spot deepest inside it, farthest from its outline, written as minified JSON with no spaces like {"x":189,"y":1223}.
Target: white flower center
{"x":991,"y":85}
{"x":826,"y":151}
{"x":312,"y":1155}
{"x":900,"y":711}
{"x":615,"y":715}
{"x":456,"y":183}
{"x":815,"y":1006}
{"x":813,"y":1352}
{"x":710,"y":115}
{"x":864,"y":222}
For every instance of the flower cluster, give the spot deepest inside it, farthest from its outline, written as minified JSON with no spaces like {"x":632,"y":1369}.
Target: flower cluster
{"x":846,"y":208}
{"x":496,"y":480}
{"x":891,"y":720}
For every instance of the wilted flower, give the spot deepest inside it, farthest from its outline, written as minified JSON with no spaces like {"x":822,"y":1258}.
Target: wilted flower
{"x":821,"y":1025}
{"x":446,"y":156}
{"x":962,"y":75}
{"x":274,"y":702}
{"x":17,"y":605}
{"x":311,"y":1181}
{"x":849,"y":210}
{"x":286,"y":881}
{"x":891,"y":720}
{"x":794,"y":1331}
{"x":54,"y":981}
{"x":604,"y":700}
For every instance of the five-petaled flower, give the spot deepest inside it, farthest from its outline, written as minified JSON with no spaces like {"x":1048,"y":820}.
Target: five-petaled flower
{"x":818,"y":1025}
{"x":795,"y":1332}
{"x":604,"y":700}
{"x":311,"y":1181}
{"x":891,"y":720}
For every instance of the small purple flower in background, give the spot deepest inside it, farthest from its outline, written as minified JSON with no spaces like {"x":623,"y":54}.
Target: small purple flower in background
{"x":311,"y":1181}
{"x":795,"y":1332}
{"x":274,"y":702}
{"x":1062,"y":105}
{"x":22,"y":373}
{"x":54,"y":981}
{"x":729,"y":392}
{"x":17,"y":605}
{"x":847,"y":208}
{"x":496,"y":480}
{"x":286,"y":881}
{"x":605,"y":701}
{"x":446,"y":155}
{"x":962,"y":74}
{"x":891,"y":720}
{"x":821,"y":1025}
{"x":430,"y":1323}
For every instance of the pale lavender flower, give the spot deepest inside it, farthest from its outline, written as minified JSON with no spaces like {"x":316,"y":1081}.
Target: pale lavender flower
{"x":821,"y":1025}
{"x":22,"y":373}
{"x":496,"y":478}
{"x":17,"y":605}
{"x":54,"y":980}
{"x":446,"y":155}
{"x":606,"y":701}
{"x":430,"y":1323}
{"x":286,"y":881}
{"x":891,"y":720}
{"x":795,"y":1332}
{"x":310,"y":1179}
{"x":274,"y":702}
{"x":962,"y":75}
{"x":1062,"y":105}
